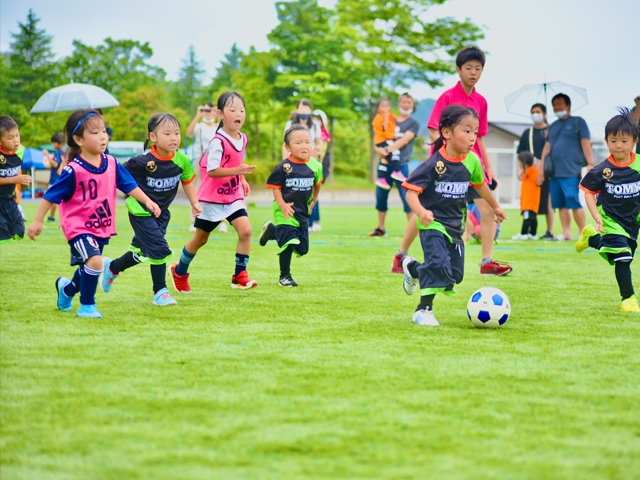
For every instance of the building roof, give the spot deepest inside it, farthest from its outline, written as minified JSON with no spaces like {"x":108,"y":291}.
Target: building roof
{"x":514,"y":128}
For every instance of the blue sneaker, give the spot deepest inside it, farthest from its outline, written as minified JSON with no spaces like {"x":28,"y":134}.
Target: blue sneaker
{"x":64,"y":302}
{"x":163,"y":298}
{"x":106,"y":282}
{"x":89,"y":311}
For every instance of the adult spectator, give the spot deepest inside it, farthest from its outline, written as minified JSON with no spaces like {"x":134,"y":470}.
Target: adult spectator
{"x":533,"y":140}
{"x":203,"y":128}
{"x":407,"y":129}
{"x":320,"y":121}
{"x":302,"y":115}
{"x":566,"y":151}
{"x":636,"y":115}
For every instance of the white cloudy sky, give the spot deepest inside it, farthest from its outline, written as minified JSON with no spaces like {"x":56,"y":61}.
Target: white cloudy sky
{"x":589,"y":42}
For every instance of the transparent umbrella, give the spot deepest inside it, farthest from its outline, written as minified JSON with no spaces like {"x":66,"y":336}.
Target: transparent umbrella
{"x":72,"y":97}
{"x":542,"y":90}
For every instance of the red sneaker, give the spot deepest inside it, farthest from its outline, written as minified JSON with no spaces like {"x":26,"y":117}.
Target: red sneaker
{"x":396,"y":266}
{"x":495,"y":268}
{"x":378,"y":232}
{"x":180,"y":282}
{"x":242,"y":281}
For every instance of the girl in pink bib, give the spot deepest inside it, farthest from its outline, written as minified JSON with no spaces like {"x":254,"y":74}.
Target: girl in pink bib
{"x":221,"y":194}
{"x":86,"y":192}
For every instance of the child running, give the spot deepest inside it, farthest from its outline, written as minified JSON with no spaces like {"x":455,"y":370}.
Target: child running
{"x":296,"y":184}
{"x":158,"y":172}
{"x":86,"y":193}
{"x":57,"y":142}
{"x":221,"y":194}
{"x":529,"y":198}
{"x":11,"y":221}
{"x":436,"y":192}
{"x":616,"y":211}
{"x":384,"y":133}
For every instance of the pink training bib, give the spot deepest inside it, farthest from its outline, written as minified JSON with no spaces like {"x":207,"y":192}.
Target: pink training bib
{"x":223,"y":190}
{"x":92,"y":208}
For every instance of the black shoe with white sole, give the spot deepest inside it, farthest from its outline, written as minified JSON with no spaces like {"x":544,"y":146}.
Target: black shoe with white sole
{"x":268,"y":233}
{"x":287,"y":281}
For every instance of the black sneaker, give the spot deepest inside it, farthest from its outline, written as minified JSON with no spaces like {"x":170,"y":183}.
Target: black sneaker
{"x":547,"y":236}
{"x":287,"y":281}
{"x":268,"y":233}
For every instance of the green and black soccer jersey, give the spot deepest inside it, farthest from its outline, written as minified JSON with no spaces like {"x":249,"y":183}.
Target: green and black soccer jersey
{"x":10,"y":165}
{"x":158,"y":177}
{"x":442,"y":185}
{"x":618,"y":190}
{"x":296,"y":181}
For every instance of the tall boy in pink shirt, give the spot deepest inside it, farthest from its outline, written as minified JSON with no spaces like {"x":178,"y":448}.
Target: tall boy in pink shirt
{"x":469,"y":66}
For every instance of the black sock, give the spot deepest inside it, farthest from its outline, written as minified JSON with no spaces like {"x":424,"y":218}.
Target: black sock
{"x":594,"y":242}
{"x":426,"y":302}
{"x":241,"y":263}
{"x":127,"y":260}
{"x":74,"y":287}
{"x":158,"y":276}
{"x":413,"y":269}
{"x":623,"y":276}
{"x":285,"y":261}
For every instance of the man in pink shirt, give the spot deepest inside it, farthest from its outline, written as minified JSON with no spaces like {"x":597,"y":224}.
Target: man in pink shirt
{"x":469,"y":66}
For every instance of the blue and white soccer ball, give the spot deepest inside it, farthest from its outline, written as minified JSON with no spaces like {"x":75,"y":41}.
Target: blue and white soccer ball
{"x":488,"y":307}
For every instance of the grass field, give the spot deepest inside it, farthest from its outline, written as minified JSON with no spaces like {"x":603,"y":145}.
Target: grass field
{"x":329,"y":380}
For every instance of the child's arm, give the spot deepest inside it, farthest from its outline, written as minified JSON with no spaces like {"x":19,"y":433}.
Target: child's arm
{"x":140,"y":196}
{"x":425,"y":216}
{"x":35,"y":228}
{"x":287,"y":208}
{"x":190,"y":192}
{"x":245,"y":186}
{"x":315,"y":193}
{"x":545,"y":151}
{"x":487,"y":161}
{"x":17,"y":180}
{"x":590,"y":199}
{"x":485,"y":193}
{"x":242,"y":169}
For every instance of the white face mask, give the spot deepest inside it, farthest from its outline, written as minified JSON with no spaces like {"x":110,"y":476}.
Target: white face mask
{"x":406,"y":112}
{"x":537,"y":117}
{"x":560,"y":114}
{"x":208,"y":120}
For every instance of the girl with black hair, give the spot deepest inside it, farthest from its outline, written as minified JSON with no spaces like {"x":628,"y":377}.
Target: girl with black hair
{"x":159,"y":173}
{"x":436,"y":192}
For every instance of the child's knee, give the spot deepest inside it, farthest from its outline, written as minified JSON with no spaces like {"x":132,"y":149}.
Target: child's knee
{"x":244,"y":232}
{"x":94,"y":263}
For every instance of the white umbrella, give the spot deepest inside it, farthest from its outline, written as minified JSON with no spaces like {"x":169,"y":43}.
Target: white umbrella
{"x":72,"y":97}
{"x":541,"y":90}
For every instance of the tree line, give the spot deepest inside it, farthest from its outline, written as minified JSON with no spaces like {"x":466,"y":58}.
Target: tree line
{"x":341,"y":58}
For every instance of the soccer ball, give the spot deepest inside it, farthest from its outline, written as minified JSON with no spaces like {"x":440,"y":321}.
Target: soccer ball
{"x":488,"y":308}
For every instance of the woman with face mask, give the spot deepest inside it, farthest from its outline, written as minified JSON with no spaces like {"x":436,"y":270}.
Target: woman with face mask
{"x":533,"y":140}
{"x":302,"y":115}
{"x":203,"y":132}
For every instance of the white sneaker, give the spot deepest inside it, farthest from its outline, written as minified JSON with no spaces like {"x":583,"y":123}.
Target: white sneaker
{"x":223,"y":227}
{"x":520,"y":237}
{"x":532,"y":237}
{"x":192,"y":228}
{"x":410,"y":284}
{"x":425,"y":318}
{"x":316,"y":227}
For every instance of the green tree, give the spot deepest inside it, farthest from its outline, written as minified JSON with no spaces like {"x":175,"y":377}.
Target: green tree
{"x":116,"y":65}
{"x":224,"y":73}
{"x":187,"y":92}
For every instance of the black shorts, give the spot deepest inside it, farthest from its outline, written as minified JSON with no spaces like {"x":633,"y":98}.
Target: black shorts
{"x":543,"y":208}
{"x":207,"y":226}
{"x":149,"y":241}
{"x":616,"y":248}
{"x":289,"y":235}
{"x":84,"y":247}
{"x":443,"y":265}
{"x":11,"y":222}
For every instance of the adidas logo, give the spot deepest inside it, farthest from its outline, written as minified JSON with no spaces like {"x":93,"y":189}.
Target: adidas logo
{"x":101,"y":218}
{"x":230,"y":187}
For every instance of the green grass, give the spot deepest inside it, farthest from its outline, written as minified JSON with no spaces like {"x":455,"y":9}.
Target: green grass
{"x":329,"y":380}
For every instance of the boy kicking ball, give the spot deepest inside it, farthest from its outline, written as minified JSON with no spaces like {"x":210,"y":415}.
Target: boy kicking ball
{"x":616,"y":181}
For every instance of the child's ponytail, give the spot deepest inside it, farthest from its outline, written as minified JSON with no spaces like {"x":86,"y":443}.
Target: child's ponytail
{"x":450,"y":117}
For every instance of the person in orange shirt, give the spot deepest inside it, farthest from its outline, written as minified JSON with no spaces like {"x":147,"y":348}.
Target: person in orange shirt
{"x":529,"y":198}
{"x":384,"y":133}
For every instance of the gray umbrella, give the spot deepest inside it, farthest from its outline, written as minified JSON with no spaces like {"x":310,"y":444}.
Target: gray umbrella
{"x":541,"y":90}
{"x":72,"y":97}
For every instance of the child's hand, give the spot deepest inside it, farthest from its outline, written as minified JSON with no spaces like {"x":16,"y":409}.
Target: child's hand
{"x":23,"y":179}
{"x":311,"y":205}
{"x":245,"y":169}
{"x":245,"y":187}
{"x":196,"y":209}
{"x":426,"y":217}
{"x":34,"y":230}
{"x":384,"y":161}
{"x":599,"y":226}
{"x":153,"y":208}
{"x":500,"y":215}
{"x":287,"y":209}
